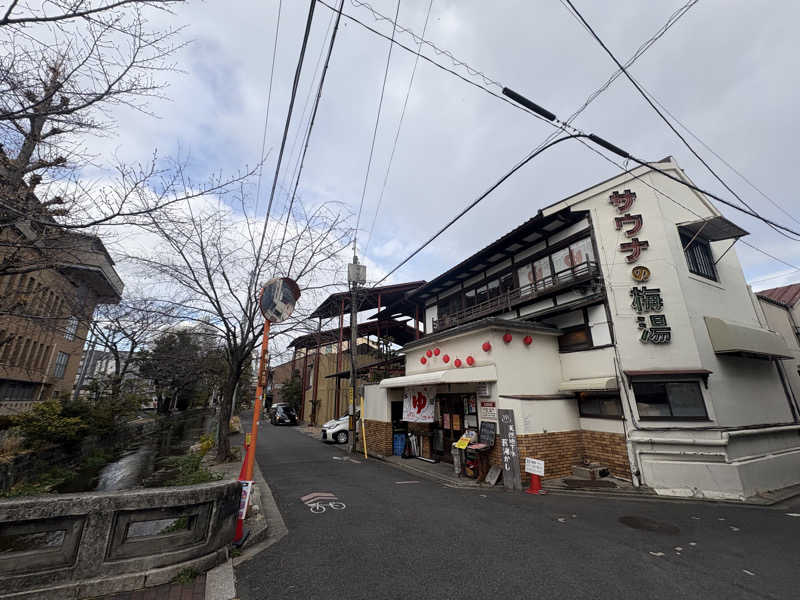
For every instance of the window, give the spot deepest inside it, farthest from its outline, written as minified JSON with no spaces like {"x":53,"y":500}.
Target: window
{"x":600,"y":407}
{"x":680,"y":400}
{"x":483,"y":294}
{"x":507,"y":282}
{"x":469,"y":298}
{"x":72,"y":328}
{"x":699,"y":257}
{"x":575,"y":338}
{"x":494,"y":288}
{"x":61,"y":364}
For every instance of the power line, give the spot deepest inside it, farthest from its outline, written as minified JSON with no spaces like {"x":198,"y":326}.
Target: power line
{"x":420,"y":40}
{"x":660,"y":114}
{"x":397,"y":133}
{"x":434,"y":63}
{"x":288,"y":119}
{"x":475,"y":202}
{"x":269,"y":102}
{"x":644,"y":47}
{"x":375,"y":130}
{"x":310,"y":128}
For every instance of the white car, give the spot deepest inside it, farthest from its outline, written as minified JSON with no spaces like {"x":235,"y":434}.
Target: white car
{"x":336,"y":430}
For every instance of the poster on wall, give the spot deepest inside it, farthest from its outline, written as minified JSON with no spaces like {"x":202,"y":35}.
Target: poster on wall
{"x":418,"y":405}
{"x":509,"y":451}
{"x":488,"y":410}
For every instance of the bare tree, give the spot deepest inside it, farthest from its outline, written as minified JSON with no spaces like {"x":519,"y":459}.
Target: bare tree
{"x":125,"y":328}
{"x":220,"y":258}
{"x":64,"y":66}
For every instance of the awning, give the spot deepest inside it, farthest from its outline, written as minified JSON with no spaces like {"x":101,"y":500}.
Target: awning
{"x":743,"y":340}
{"x":713,"y":229}
{"x":601,"y":384}
{"x":454,"y":375}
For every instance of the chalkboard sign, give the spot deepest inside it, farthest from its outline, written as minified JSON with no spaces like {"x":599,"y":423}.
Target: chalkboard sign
{"x":509,"y":451}
{"x":488,"y":433}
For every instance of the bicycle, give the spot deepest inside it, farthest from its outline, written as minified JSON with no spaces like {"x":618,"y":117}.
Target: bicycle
{"x":319,"y":507}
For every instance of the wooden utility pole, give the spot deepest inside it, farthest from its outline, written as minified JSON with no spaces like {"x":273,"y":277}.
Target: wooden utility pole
{"x":356,"y":275}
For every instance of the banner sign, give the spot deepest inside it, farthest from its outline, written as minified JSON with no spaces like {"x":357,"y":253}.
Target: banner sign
{"x":418,"y":404}
{"x":509,"y":449}
{"x":247,"y":487}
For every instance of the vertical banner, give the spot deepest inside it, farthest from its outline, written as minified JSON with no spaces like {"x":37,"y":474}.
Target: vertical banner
{"x":418,"y":404}
{"x":509,"y":452}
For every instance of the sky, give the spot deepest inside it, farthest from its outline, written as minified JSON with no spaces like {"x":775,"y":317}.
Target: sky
{"x":728,"y":70}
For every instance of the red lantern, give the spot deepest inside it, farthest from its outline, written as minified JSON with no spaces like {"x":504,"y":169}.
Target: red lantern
{"x":486,"y":346}
{"x":507,"y":338}
{"x":436,"y":352}
{"x":457,"y":362}
{"x":527,"y":340}
{"x":470,"y":361}
{"x":429,"y":353}
{"x":423,"y":360}
{"x":446,"y":358}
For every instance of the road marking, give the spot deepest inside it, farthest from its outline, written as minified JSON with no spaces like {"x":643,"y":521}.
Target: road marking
{"x":319,"y":502}
{"x":693,"y":543}
{"x":793,"y":514}
{"x":746,"y":572}
{"x":404,"y":482}
{"x":656,"y":554}
{"x":734,"y":528}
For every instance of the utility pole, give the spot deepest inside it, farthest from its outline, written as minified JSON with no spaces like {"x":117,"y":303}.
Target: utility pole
{"x":356,"y":276}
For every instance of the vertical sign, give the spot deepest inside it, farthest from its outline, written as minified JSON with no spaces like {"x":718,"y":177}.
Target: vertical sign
{"x":509,"y":452}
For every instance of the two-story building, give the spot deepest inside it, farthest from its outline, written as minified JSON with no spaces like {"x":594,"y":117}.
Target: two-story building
{"x":613,"y":327}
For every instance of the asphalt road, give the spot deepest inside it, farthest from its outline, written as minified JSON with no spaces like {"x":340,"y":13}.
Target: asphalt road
{"x":424,"y":540}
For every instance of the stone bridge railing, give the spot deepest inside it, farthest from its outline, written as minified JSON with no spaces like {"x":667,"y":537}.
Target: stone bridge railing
{"x":91,"y":544}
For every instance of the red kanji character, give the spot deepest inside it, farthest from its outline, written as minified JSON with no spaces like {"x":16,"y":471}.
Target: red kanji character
{"x":623,"y":201}
{"x":629,"y":219}
{"x":635,"y":248}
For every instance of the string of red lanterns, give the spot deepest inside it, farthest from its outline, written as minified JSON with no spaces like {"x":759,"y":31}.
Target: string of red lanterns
{"x":470,"y":360}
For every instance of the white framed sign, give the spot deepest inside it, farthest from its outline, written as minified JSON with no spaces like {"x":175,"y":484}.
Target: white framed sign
{"x":418,"y":404}
{"x":488,"y":410}
{"x":482,"y":389}
{"x":534,"y":466}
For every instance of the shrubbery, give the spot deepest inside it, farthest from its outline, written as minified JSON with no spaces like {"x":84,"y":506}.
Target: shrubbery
{"x":46,"y":424}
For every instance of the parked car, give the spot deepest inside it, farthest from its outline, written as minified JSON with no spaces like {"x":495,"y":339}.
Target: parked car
{"x":283,"y":414}
{"x":336,"y":430}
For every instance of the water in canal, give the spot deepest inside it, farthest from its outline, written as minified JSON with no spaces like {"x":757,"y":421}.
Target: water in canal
{"x":141,"y":463}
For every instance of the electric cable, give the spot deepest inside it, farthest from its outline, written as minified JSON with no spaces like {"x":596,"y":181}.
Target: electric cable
{"x":375,"y":130}
{"x":397,"y":133}
{"x":310,"y":128}
{"x":295,"y":83}
{"x":661,"y":115}
{"x":269,"y":102}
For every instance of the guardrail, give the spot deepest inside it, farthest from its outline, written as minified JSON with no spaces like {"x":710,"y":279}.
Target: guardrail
{"x":551,"y":284}
{"x":87,"y":545}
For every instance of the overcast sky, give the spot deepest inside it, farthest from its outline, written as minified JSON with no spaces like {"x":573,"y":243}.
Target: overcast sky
{"x":728,"y":70}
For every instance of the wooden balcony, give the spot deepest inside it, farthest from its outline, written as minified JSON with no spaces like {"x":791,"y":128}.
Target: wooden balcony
{"x":506,"y":301}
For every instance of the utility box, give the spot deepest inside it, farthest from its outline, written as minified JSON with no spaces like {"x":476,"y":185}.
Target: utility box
{"x":356,"y":273}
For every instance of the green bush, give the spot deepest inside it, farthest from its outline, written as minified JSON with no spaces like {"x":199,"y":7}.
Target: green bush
{"x":45,"y":425}
{"x":190,"y":471}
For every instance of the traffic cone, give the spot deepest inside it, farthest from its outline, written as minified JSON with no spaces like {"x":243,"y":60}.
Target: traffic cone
{"x":535,"y":486}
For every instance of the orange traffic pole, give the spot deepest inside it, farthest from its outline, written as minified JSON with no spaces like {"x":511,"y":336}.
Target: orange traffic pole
{"x":257,"y":405}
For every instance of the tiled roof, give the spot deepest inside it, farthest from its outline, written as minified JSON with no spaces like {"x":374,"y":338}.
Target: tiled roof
{"x":787,"y":294}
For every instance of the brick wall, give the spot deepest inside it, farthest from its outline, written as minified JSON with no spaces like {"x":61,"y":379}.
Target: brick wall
{"x":560,"y":450}
{"x":608,"y":449}
{"x":379,"y":437}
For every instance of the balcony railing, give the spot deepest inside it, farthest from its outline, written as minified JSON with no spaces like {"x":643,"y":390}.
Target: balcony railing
{"x":507,"y":300}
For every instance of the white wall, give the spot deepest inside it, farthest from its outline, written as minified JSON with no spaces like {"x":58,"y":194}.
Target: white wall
{"x":376,"y":403}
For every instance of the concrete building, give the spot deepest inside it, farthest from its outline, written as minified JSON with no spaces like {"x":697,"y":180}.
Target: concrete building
{"x":613,"y":327}
{"x":52,"y":308}
{"x":780,"y":309}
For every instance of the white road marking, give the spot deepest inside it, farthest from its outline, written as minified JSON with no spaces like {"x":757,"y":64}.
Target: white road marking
{"x":734,"y":528}
{"x":696,"y":518}
{"x":746,"y":572}
{"x":793,"y":514}
{"x":678,"y":549}
{"x":720,"y":518}
{"x":693,"y":543}
{"x":404,"y":482}
{"x":561,"y":520}
{"x":656,"y":554}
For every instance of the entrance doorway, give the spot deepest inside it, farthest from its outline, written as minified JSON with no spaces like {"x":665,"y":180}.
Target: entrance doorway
{"x":456,"y":412}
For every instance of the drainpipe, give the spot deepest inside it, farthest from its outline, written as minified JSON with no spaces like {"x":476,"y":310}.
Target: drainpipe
{"x":790,"y":399}
{"x":633,"y":456}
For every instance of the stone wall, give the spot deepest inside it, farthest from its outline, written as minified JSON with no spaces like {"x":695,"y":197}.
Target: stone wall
{"x":379,"y":437}
{"x":93,"y":544}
